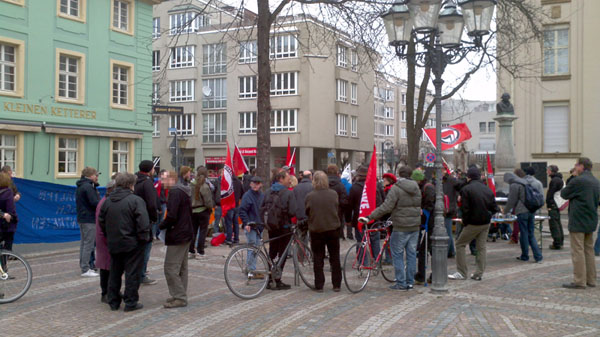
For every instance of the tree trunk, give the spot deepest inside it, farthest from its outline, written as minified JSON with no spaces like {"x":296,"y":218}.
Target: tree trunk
{"x":263,"y":115}
{"x":412,"y":134}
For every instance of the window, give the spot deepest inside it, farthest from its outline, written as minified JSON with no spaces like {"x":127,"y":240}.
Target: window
{"x":354,"y":60}
{"x":283,"y":46}
{"x":353,"y":93}
{"x":445,"y":125}
{"x":389,"y":112}
{"x":379,"y":129}
{"x":389,"y":130}
{"x":68,"y":155}
{"x":556,"y":50}
{"x":122,"y":85}
{"x":248,"y":52}
{"x":389,"y":95}
{"x":403,"y":116}
{"x":11,"y":67}
{"x":122,"y":16}
{"x":70,"y":77}
{"x":487,"y":144}
{"x":189,"y":22}
{"x":247,"y":122}
{"x":379,"y":110}
{"x":183,"y":123}
{"x":120,"y":156}
{"x":283,"y":84}
{"x":556,"y":128}
{"x":342,"y":125}
{"x":156,"y":126}
{"x":72,"y":9}
{"x":182,"y":57}
{"x":248,"y":87}
{"x":156,"y":60}
{"x":403,"y":99}
{"x":213,"y":58}
{"x":491,"y":127}
{"x":341,"y":56}
{"x":8,"y":151}
{"x":284,"y":120}
{"x":403,"y":133}
{"x":341,"y":90}
{"x":214,"y":128}
{"x":155,"y":28}
{"x":482,"y":127}
{"x":214,"y":93}
{"x":182,"y":91}
{"x":155,"y":93}
{"x":354,"y":126}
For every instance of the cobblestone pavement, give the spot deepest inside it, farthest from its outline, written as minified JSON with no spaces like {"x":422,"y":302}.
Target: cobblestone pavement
{"x":514,"y":299}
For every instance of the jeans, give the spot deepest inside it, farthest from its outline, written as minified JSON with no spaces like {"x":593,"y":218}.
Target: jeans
{"x":231,"y":224}
{"x":597,"y":245}
{"x":253,"y":238}
{"x":86,"y":245}
{"x":147,"y":251}
{"x":448,"y":224}
{"x":218,"y":213}
{"x":375,"y":241}
{"x":318,"y":242}
{"x":401,"y":242}
{"x":527,"y":227}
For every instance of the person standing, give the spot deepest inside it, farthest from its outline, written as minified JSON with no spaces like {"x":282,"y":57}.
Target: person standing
{"x":202,"y":204}
{"x":478,"y":204}
{"x":428,"y":206}
{"x":144,"y":188}
{"x":556,"y":184}
{"x":450,"y":185}
{"x":8,"y":212}
{"x":353,"y":210}
{"x":335,"y":183}
{"x":232,"y":227}
{"x":252,"y":222}
{"x":161,"y":193}
{"x":403,"y":201}
{"x":178,"y":225}
{"x":86,"y":199}
{"x":102,"y":254}
{"x":300,"y":192}
{"x":322,"y":207}
{"x":583,"y":193}
{"x":124,"y":222}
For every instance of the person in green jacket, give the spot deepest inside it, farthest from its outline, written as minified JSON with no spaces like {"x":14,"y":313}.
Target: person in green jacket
{"x":583,"y":193}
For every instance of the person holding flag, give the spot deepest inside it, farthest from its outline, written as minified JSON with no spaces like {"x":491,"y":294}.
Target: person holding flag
{"x":231,"y":192}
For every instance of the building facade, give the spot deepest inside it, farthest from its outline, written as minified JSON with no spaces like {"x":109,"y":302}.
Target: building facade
{"x":75,"y":87}
{"x":205,"y":61}
{"x":479,"y":117}
{"x":558,"y":116}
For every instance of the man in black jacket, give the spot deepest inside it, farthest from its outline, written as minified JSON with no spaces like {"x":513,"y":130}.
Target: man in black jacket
{"x":478,"y":206}
{"x":450,"y":205}
{"x":335,"y":183}
{"x":556,"y":184}
{"x":87,"y":198}
{"x":144,"y":188}
{"x":124,"y":221}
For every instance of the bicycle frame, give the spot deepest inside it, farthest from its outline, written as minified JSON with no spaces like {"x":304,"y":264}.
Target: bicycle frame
{"x":262,"y":247}
{"x":366,"y":240}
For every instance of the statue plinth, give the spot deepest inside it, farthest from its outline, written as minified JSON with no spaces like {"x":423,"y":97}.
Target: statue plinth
{"x":505,"y":150}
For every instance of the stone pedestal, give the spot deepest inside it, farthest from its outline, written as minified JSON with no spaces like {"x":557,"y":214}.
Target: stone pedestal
{"x":505,"y":150}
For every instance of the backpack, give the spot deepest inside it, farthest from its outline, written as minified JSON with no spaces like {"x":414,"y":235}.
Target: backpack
{"x":534,"y":200}
{"x":272,"y":211}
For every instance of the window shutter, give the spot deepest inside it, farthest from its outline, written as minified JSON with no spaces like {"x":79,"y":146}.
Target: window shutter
{"x":556,"y":128}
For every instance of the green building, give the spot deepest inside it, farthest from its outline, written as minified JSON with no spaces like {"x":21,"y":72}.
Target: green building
{"x":75,"y":87}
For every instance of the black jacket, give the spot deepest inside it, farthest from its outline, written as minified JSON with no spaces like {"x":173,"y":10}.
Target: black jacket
{"x":86,"y":199}
{"x":354,"y":198}
{"x":300,"y":192}
{"x":478,"y":203}
{"x":144,"y":188}
{"x":428,"y":203}
{"x":178,"y":221}
{"x":238,"y":190}
{"x":556,"y":184}
{"x":287,"y":202}
{"x":450,"y":190}
{"x":246,"y":182}
{"x":124,"y":221}
{"x":335,"y":183}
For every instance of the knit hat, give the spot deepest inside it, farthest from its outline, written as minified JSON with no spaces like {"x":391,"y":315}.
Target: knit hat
{"x":473,"y":173}
{"x":362,"y":171}
{"x":146,"y":166}
{"x":417,"y":175}
{"x":390,"y":177}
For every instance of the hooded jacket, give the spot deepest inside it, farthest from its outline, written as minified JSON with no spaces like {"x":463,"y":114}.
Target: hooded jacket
{"x":124,"y":221}
{"x":300,"y":192}
{"x":86,"y":199}
{"x":403,"y":201}
{"x":516,"y":194}
{"x":144,"y":188}
{"x":7,"y":205}
{"x":556,"y":184}
{"x":478,"y":203}
{"x":583,"y":193}
{"x":178,"y":221}
{"x":535,"y":183}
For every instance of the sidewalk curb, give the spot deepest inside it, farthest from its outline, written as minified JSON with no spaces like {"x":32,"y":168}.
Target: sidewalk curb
{"x":51,"y":253}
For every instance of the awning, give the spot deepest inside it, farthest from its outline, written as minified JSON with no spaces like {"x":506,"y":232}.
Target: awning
{"x":214,"y":160}
{"x":98,"y":132}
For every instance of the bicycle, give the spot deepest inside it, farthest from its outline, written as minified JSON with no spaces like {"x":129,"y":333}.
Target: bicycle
{"x":359,"y":262}
{"x":248,"y":282}
{"x":15,"y":276}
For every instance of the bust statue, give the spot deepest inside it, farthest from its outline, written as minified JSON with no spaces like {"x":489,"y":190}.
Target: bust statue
{"x":504,"y":107}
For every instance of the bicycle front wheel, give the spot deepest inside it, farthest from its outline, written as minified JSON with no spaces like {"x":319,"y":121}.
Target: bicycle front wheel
{"x":246,"y":272}
{"x":15,"y":276}
{"x":356,"y":275}
{"x":304,"y":263}
{"x":386,"y":266}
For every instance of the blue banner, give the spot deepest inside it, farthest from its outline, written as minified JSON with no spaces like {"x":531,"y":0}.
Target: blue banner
{"x":47,"y":212}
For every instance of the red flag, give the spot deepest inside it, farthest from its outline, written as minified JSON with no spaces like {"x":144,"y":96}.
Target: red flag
{"x":368,"y":199}
{"x":446,"y":167}
{"x":451,"y":135}
{"x":290,"y":159}
{"x":227,"y":194}
{"x":239,"y":164}
{"x":490,"y":175}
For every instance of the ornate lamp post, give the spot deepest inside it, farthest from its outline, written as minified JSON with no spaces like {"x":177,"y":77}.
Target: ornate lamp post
{"x":437,"y":35}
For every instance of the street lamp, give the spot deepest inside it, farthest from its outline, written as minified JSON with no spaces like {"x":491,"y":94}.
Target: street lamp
{"x":438,"y":34}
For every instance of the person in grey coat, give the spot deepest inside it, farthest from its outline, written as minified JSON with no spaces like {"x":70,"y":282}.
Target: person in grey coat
{"x":300,"y":192}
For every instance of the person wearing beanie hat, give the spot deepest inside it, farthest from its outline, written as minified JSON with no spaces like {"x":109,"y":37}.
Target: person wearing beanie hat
{"x":144,"y":188}
{"x":556,"y":184}
{"x":478,"y":206}
{"x":146,"y":166}
{"x":417,"y":175}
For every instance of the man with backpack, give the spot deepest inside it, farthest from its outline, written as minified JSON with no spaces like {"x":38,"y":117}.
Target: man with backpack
{"x":278,"y":210}
{"x":525,"y":197}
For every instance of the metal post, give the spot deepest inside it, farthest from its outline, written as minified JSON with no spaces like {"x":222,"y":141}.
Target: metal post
{"x":176,"y":154}
{"x":439,"y":260}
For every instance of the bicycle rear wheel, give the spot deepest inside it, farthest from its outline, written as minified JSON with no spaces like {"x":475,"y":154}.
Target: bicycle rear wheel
{"x":246,"y":272}
{"x":355,"y":275}
{"x":387,"y":267}
{"x":303,"y":261}
{"x":15,"y":278}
